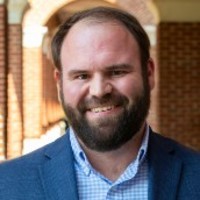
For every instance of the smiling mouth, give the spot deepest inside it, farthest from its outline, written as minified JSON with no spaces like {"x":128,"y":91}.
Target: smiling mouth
{"x":102,"y":109}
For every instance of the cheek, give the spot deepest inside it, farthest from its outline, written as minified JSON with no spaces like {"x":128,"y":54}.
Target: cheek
{"x":72,"y":93}
{"x":130,"y":87}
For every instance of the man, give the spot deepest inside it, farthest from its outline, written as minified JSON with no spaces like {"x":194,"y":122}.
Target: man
{"x":104,"y":77}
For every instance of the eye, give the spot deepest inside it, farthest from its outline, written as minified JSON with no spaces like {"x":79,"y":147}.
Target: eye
{"x":82,"y":76}
{"x":117,"y":73}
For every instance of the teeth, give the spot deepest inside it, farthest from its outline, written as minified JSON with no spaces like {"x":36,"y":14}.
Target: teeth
{"x":102,"y":109}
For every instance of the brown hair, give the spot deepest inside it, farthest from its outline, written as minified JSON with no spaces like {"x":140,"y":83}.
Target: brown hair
{"x":102,"y":14}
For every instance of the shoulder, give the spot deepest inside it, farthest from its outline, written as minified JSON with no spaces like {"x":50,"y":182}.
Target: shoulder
{"x":27,"y":164}
{"x":174,"y":164}
{"x":186,"y":154}
{"x":22,"y":178}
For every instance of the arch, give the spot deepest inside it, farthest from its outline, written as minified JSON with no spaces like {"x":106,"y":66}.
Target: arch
{"x":40,"y":11}
{"x":154,"y":10}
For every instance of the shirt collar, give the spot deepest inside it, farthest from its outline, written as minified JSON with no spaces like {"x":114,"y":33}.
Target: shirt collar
{"x":79,"y":155}
{"x":82,"y":161}
{"x":144,"y":146}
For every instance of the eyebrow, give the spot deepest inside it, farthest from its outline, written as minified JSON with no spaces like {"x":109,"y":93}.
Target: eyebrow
{"x":107,"y":68}
{"x":74,"y":72}
{"x":119,"y":66}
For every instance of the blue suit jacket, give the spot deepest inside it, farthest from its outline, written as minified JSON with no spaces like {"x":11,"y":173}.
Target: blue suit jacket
{"x":48,"y":173}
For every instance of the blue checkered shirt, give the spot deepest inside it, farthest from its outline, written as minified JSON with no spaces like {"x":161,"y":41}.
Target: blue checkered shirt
{"x":131,"y":185}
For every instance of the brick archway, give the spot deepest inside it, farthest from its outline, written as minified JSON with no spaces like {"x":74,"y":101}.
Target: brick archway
{"x":39,"y":92}
{"x":36,"y":60}
{"x":40,"y":11}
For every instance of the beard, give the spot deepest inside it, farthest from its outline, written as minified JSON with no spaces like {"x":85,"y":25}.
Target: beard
{"x":109,"y":133}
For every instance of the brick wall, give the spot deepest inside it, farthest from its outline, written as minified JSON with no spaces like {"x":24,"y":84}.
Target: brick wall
{"x":14,"y":92}
{"x":32,"y":91}
{"x":2,"y":80}
{"x":179,"y":60}
{"x":51,"y":109}
{"x":41,"y":108}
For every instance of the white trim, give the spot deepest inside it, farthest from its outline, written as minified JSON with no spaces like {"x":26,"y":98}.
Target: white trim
{"x":151,"y":32}
{"x":33,"y":36}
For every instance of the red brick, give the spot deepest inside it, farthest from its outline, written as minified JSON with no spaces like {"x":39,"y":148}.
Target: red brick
{"x":14,"y":121}
{"x":179,"y":59}
{"x":2,"y":79}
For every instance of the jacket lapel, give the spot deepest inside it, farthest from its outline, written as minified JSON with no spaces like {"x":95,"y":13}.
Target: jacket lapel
{"x":57,"y":174}
{"x":164,"y":169}
{"x":59,"y":180}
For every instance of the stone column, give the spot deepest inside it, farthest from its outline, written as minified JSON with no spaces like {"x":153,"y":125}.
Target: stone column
{"x":32,"y":81}
{"x":3,"y":82}
{"x":14,"y":92}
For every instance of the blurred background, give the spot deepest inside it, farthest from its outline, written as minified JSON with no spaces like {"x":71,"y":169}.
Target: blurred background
{"x":30,"y":114}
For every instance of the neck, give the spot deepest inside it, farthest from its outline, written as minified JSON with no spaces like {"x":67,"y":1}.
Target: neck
{"x":113,"y":163}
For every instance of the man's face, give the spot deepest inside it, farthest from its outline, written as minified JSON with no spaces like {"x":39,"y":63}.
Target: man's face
{"x":101,"y":87}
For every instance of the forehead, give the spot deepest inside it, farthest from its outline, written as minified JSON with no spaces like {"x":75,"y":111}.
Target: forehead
{"x":90,"y":21}
{"x":98,"y":43}
{"x":111,"y":30}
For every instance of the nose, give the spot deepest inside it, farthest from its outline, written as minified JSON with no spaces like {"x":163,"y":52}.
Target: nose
{"x":100,"y":87}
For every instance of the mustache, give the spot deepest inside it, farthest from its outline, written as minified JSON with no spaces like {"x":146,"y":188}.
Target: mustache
{"x":107,"y":100}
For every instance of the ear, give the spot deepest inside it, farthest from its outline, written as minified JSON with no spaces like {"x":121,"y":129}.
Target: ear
{"x":57,"y":75}
{"x":58,"y":79}
{"x":151,"y":73}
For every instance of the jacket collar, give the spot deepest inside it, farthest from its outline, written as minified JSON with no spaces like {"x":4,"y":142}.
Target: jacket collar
{"x":59,"y":180}
{"x":164,"y":168}
{"x":57,"y":173}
